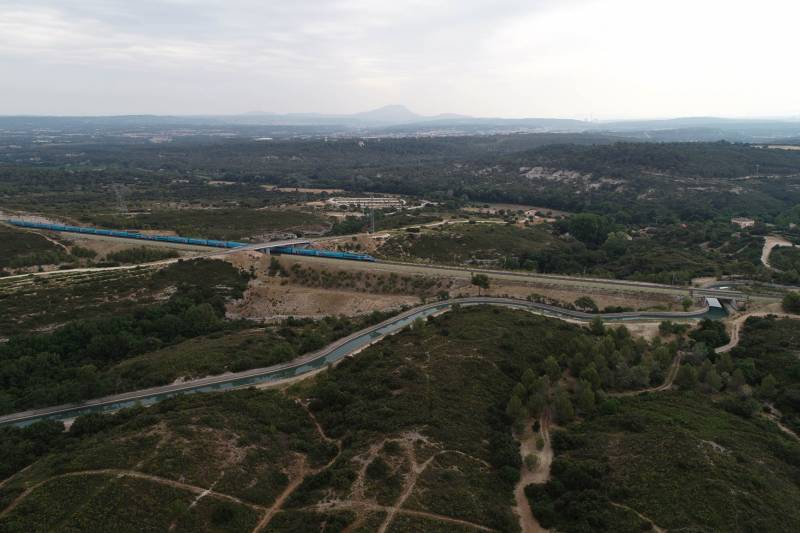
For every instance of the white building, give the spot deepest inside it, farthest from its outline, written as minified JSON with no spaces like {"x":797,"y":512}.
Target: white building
{"x":743,"y":222}
{"x":376,"y":203}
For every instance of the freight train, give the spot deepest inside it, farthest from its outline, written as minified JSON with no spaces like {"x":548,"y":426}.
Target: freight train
{"x":127,"y":234}
{"x":288,"y":250}
{"x":293,"y":250}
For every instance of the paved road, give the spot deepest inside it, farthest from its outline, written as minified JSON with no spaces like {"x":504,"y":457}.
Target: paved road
{"x":309,"y":363}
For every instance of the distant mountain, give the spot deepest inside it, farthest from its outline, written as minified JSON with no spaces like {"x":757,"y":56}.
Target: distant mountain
{"x":390,"y":114}
{"x":382,"y":116}
{"x":398,"y":120}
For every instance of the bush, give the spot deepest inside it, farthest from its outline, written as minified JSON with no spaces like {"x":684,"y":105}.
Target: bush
{"x":791,"y":302}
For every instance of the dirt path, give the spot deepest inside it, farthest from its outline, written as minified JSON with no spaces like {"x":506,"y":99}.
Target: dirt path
{"x":640,"y":515}
{"x":672,"y":373}
{"x":303,"y":471}
{"x":410,"y":483}
{"x":770,"y":242}
{"x":775,"y":416}
{"x":134,"y":474}
{"x":276,"y":507}
{"x":350,"y":505}
{"x":51,"y":240}
{"x":15,"y":474}
{"x":537,"y":476}
{"x":737,"y":323}
{"x":358,"y":500}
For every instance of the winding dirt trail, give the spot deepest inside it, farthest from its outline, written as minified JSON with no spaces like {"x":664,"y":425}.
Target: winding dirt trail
{"x":539,"y":475}
{"x":672,"y":373}
{"x":640,"y":515}
{"x":134,"y":474}
{"x":770,"y":242}
{"x":775,"y":416}
{"x":736,"y":326}
{"x":410,"y":483}
{"x":277,"y":506}
{"x":303,"y":471}
{"x":352,"y":505}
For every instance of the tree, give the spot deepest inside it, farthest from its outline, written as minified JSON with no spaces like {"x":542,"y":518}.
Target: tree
{"x":585,"y":397}
{"x":791,"y":302}
{"x":519,"y":391}
{"x":529,"y":380}
{"x":201,"y":319}
{"x":725,"y":363}
{"x":552,"y":369}
{"x":769,"y":387}
{"x":686,"y":303}
{"x":737,"y":380}
{"x":565,"y":412}
{"x":537,"y":402}
{"x":686,"y":378}
{"x":713,"y":380}
{"x":596,"y":326}
{"x":589,"y":228}
{"x":515,"y":410}
{"x":591,"y":375}
{"x":537,"y":396}
{"x":584,"y":303}
{"x":481,"y":281}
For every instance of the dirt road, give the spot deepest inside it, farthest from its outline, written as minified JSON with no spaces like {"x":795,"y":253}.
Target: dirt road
{"x":536,"y":476}
{"x":737,"y":323}
{"x":770,"y":242}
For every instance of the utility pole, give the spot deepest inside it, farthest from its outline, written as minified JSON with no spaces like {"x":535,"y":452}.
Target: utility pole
{"x":372,"y":213}
{"x":119,"y":192}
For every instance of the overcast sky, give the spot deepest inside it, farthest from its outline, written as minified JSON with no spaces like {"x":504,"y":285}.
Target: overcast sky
{"x":510,"y":58}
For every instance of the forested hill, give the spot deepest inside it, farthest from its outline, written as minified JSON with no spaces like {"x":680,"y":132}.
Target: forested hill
{"x":698,"y":160}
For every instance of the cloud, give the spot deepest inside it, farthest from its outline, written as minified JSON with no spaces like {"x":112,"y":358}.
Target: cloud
{"x":515,"y":58}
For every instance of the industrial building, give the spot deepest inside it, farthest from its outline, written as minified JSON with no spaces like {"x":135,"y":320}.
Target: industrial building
{"x":374,"y":203}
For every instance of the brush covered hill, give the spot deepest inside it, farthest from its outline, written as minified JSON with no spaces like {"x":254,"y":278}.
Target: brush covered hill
{"x":417,"y":433}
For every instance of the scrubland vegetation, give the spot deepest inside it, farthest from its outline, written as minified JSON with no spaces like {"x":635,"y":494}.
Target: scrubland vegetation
{"x":417,"y":432}
{"x":439,"y":400}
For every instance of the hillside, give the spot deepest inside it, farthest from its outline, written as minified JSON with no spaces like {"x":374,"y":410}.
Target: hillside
{"x":416,"y":433}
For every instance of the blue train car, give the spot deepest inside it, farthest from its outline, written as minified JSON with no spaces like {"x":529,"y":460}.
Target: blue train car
{"x":350,"y":256}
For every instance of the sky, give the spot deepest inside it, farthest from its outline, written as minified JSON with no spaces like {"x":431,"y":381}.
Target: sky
{"x":586,"y":59}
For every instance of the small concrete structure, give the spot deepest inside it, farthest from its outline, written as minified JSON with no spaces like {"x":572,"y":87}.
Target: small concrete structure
{"x":743,"y":222}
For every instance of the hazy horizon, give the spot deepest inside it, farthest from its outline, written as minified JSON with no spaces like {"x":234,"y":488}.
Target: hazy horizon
{"x":574,"y":59}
